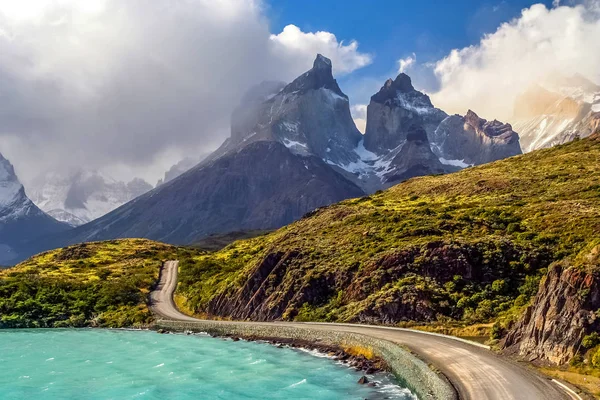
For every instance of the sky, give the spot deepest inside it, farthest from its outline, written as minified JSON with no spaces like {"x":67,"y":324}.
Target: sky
{"x":130,"y":87}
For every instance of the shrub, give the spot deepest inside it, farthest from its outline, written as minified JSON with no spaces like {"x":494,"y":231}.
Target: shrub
{"x":590,"y":341}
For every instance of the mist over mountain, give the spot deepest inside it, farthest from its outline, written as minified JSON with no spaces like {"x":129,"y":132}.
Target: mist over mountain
{"x":80,"y":196}
{"x":556,"y":111}
{"x":20,"y":219}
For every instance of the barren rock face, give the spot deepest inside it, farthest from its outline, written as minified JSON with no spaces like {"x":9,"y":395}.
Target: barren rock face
{"x":310,"y":116}
{"x":396,"y":111}
{"x":563,"y":313}
{"x":474,"y":140}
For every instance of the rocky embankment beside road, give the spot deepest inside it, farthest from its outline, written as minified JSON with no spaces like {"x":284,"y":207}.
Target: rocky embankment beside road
{"x":565,"y":311}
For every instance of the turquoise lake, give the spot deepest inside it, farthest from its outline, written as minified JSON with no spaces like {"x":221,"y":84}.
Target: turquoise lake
{"x":119,"y":364}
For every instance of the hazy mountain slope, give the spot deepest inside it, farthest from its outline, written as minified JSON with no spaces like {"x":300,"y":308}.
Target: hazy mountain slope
{"x":557,"y":113}
{"x":262,"y":186}
{"x":469,"y":246}
{"x":20,"y":219}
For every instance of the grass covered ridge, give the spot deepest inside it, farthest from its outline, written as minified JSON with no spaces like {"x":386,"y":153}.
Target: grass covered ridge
{"x":466,"y":248}
{"x":93,"y":284}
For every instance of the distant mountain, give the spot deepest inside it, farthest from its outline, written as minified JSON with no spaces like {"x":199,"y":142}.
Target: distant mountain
{"x":82,"y":196}
{"x":20,"y":219}
{"x":471,"y":140}
{"x":557,"y":112}
{"x":294,"y":148}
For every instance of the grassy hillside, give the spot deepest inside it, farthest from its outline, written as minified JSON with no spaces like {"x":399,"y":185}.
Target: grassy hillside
{"x":93,"y":284}
{"x":465,"y":248}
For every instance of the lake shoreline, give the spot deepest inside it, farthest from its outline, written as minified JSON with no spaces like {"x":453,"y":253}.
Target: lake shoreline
{"x":409,"y":370}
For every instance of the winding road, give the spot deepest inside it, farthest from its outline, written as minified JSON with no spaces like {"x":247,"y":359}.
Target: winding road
{"x":476,"y":372}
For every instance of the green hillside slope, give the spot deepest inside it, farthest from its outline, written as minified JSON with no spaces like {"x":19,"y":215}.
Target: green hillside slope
{"x":92,"y":284}
{"x":467,"y":247}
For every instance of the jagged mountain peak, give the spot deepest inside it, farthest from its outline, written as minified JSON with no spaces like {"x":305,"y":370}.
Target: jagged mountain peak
{"x":395,"y":89}
{"x":396,"y":110}
{"x":310,"y":116}
{"x":322,"y":62}
{"x":491,"y":129}
{"x":20,"y":219}
{"x":319,"y":76}
{"x":7,"y":171}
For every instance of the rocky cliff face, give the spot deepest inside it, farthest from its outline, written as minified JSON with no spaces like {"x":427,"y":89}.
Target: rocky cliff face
{"x":20,"y":219}
{"x":473,"y":140}
{"x":562,"y":314}
{"x":310,"y":116}
{"x":283,"y":281}
{"x":414,"y":158}
{"x":398,"y":114}
{"x":396,"y":111}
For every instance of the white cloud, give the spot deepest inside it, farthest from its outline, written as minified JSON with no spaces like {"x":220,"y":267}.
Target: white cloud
{"x":405,"y":63}
{"x":129,"y":84}
{"x":300,"y":46}
{"x":540,"y":42}
{"x":359,"y":114}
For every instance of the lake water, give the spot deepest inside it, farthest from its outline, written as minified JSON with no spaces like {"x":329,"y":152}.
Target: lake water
{"x":119,"y":364}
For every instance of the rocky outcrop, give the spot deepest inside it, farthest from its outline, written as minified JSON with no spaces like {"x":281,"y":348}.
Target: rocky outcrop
{"x":473,"y":140}
{"x":396,"y":111}
{"x":246,"y":115}
{"x":564,"y":311}
{"x":283,"y":281}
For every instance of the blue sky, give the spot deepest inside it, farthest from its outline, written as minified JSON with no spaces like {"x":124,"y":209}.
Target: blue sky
{"x":394,"y":29}
{"x":391,"y":29}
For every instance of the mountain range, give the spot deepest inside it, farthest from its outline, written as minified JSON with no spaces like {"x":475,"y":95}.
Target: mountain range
{"x":293,"y":148}
{"x":81,"y":196}
{"x":557,"y":112}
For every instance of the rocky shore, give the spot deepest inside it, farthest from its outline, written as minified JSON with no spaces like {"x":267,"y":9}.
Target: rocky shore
{"x":367,"y":365}
{"x":410,"y":371}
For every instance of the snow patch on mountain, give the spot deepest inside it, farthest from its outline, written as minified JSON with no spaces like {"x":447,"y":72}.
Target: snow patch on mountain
{"x":296,"y":147}
{"x":455,"y":163}
{"x":368,"y":163}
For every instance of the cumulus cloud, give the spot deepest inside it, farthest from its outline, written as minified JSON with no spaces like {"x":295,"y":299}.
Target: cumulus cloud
{"x":134,"y":86}
{"x":541,"y":42}
{"x":300,"y":47}
{"x":405,"y":63}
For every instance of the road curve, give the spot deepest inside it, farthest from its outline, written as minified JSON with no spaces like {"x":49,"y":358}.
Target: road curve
{"x":475,"y":372}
